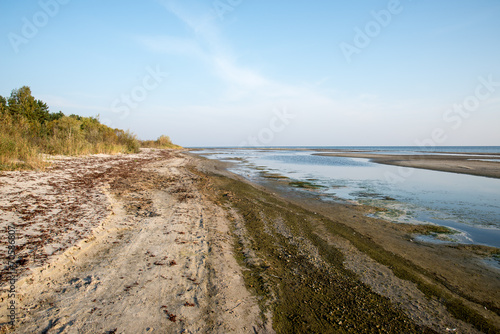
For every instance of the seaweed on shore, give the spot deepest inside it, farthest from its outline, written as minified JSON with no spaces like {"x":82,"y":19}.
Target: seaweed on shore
{"x":296,"y":274}
{"x":305,"y":185}
{"x":432,"y":230}
{"x":274,"y":176}
{"x":301,"y":278}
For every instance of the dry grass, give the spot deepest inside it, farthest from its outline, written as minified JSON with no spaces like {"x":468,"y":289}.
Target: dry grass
{"x":161,"y":142}
{"x":16,"y":148}
{"x":23,"y":142}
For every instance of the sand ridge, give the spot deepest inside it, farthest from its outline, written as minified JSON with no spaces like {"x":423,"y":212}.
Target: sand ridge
{"x":472,"y":164}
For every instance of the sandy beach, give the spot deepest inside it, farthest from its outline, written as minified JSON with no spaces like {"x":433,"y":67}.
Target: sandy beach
{"x":146,"y":260}
{"x":164,"y":241}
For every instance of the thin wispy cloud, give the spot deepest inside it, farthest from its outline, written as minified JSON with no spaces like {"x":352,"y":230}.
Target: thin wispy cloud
{"x":208,"y":45}
{"x":171,"y":45}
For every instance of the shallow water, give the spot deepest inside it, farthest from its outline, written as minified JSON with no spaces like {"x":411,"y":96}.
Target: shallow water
{"x":466,"y":203}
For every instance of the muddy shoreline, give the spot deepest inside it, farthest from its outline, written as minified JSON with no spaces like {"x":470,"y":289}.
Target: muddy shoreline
{"x":186,"y":245}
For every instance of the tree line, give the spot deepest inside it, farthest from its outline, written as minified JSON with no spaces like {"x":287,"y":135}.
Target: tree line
{"x":28,"y":130}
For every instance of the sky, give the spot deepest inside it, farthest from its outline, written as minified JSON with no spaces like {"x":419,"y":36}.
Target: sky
{"x":264,"y":73}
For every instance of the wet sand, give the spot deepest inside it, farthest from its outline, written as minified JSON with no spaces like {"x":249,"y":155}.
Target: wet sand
{"x":463,"y":164}
{"x":163,"y":241}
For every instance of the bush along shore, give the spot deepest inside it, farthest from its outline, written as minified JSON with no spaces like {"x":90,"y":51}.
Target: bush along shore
{"x":28,"y":130}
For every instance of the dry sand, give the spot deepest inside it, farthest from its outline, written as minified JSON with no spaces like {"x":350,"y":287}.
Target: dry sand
{"x":137,"y":252}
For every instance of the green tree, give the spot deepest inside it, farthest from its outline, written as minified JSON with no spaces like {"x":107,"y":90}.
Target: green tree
{"x":23,"y":104}
{"x":55,"y":116}
{"x":3,"y":104}
{"x":66,"y":127}
{"x":92,"y":129}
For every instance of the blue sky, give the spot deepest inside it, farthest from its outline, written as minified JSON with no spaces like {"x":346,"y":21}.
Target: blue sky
{"x":270,"y":73}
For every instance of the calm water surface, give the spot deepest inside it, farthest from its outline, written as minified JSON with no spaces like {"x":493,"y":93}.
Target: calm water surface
{"x":468,"y":204}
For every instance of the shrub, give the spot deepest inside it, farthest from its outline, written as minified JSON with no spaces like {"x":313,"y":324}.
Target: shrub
{"x":16,"y":150}
{"x":28,"y":129}
{"x":162,"y":142}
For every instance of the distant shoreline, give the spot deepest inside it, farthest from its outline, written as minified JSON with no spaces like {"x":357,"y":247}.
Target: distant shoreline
{"x":461,"y":164}
{"x":479,"y":150}
{"x":470,"y":163}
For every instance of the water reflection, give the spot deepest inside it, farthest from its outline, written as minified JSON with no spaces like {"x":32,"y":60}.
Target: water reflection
{"x":469,"y":204}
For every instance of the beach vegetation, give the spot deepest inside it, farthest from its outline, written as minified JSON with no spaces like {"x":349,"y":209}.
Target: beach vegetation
{"x":28,"y":131}
{"x":162,"y":142}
